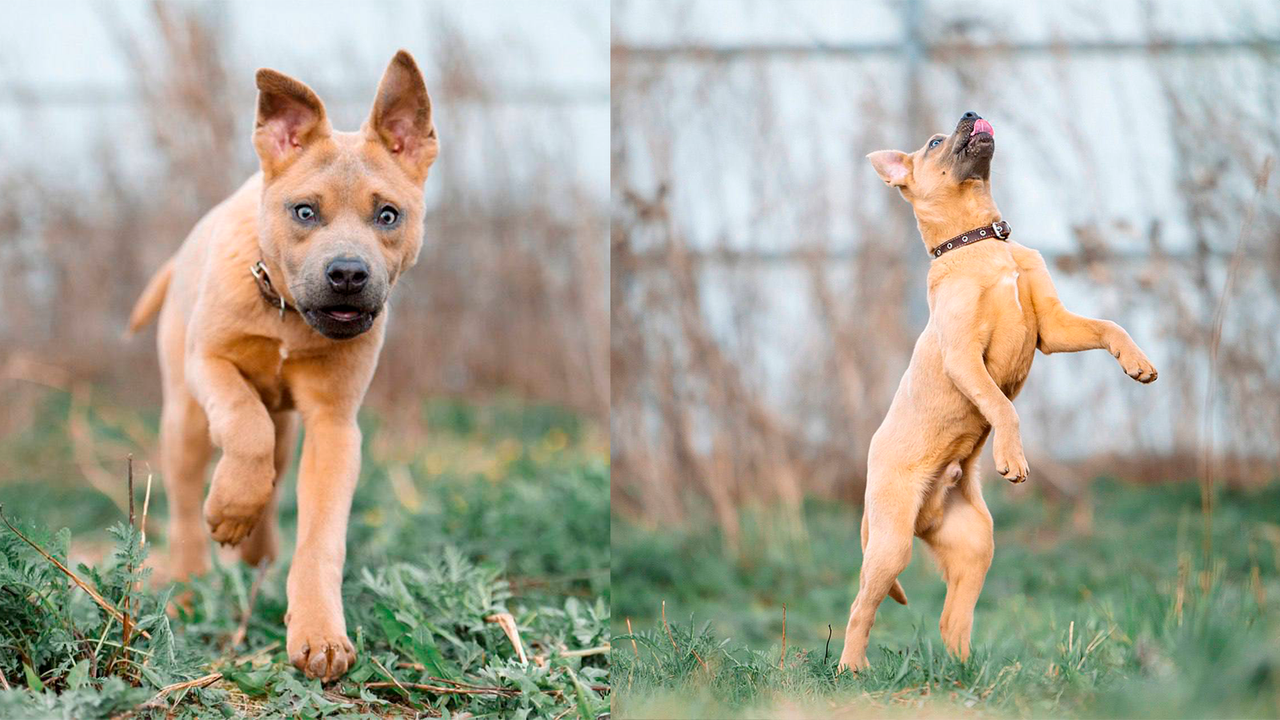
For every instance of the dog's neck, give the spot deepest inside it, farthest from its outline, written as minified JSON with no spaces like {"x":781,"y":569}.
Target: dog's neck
{"x":275,"y":280}
{"x":941,"y":223}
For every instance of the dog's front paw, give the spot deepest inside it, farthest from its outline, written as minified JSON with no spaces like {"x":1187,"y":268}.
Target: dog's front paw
{"x":317,"y":643}
{"x":237,"y":497}
{"x":1136,"y":365}
{"x":1010,"y":462}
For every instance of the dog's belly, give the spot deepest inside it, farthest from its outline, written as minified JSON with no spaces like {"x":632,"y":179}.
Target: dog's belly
{"x":930,"y":424}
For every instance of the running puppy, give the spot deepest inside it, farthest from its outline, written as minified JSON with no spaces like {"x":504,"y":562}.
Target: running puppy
{"x":991,"y":304}
{"x":273,"y":309}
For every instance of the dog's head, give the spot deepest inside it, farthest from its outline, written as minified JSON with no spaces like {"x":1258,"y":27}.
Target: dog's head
{"x":342,"y":213}
{"x":948,"y":171}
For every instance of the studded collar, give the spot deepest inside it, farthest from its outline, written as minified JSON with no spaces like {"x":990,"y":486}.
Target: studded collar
{"x":998,"y":230}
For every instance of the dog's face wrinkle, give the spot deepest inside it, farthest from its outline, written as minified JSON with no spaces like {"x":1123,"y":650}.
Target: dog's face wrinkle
{"x":347,"y":185}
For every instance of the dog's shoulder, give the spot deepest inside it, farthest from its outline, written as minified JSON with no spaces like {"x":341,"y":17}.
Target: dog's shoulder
{"x":229,"y":232}
{"x":1028,"y":259}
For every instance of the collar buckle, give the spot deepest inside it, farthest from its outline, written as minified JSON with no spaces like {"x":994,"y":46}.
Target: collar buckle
{"x":259,"y":272}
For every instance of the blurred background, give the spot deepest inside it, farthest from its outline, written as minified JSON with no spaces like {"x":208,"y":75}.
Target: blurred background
{"x":122,"y":123}
{"x":768,"y":288}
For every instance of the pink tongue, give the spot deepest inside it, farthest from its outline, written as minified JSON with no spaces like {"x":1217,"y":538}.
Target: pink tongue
{"x":345,"y":314}
{"x":982,"y":126}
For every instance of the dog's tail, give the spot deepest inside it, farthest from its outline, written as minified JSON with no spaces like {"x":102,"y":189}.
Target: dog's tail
{"x":148,"y":305}
{"x":896,"y":592}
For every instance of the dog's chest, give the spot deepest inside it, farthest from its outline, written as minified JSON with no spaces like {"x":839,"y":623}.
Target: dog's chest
{"x":1012,"y":345}
{"x":262,"y":363}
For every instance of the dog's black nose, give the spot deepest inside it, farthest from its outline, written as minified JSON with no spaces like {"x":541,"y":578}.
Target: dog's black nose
{"x":971,"y":115}
{"x":347,"y":276}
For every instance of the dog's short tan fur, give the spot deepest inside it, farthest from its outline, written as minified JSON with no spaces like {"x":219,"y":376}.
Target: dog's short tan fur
{"x":991,"y":304}
{"x":237,"y":372}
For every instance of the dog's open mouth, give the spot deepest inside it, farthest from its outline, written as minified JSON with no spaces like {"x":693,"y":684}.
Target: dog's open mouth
{"x":973,"y":149}
{"x":339,"y":322}
{"x":979,"y":145}
{"x":981,"y":137}
{"x":343,"y":313}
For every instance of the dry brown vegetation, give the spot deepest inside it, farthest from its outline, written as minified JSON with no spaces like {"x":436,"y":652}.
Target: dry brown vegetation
{"x":508,"y":296}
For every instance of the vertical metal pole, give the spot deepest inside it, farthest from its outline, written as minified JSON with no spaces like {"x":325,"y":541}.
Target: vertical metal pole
{"x":914,"y":49}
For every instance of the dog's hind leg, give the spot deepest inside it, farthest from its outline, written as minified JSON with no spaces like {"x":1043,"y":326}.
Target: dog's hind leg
{"x":891,"y":508}
{"x":184,"y":456}
{"x":964,"y":544}
{"x":264,"y":540}
{"x":896,"y":592}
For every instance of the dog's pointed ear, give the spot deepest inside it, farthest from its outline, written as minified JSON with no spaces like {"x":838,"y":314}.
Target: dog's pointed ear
{"x":290,"y":117}
{"x":401,"y":117}
{"x":893,"y":166}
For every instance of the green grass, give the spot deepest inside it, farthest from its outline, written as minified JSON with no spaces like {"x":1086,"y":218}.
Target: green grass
{"x":494,"y":508}
{"x":1109,"y":621}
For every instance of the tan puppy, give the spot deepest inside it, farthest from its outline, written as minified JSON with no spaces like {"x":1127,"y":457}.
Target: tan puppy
{"x":273,"y":308}
{"x":991,"y":304}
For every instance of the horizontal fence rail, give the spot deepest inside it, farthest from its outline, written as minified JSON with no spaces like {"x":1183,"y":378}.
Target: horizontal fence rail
{"x":941,"y":50}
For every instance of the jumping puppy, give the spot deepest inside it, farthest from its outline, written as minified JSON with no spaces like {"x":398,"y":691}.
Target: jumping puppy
{"x":991,"y":304}
{"x":273,"y":308}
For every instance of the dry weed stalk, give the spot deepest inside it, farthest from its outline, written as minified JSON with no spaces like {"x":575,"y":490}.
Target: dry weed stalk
{"x":102,"y":602}
{"x":782,"y":659}
{"x":676,"y":647}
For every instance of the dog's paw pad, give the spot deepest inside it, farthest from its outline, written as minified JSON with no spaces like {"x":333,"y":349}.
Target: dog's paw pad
{"x":230,"y":524}
{"x":1016,"y":474}
{"x":237,"y":498}
{"x":231,"y":532}
{"x":1012,"y":465}
{"x":1012,"y":476}
{"x":324,"y":656}
{"x":1137,"y":366}
{"x":1144,"y":374}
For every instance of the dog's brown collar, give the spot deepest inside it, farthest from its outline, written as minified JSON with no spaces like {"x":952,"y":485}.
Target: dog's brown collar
{"x":999,"y":230}
{"x":259,"y":272}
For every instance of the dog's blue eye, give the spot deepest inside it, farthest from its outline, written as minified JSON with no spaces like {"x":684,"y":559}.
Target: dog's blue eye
{"x":934,"y":142}
{"x":305,"y":213}
{"x":388,"y":215}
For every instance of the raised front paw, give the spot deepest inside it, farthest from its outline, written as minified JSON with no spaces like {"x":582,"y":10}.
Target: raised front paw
{"x":317,"y":643}
{"x":1136,"y":365}
{"x":1010,"y":462}
{"x":240,"y":492}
